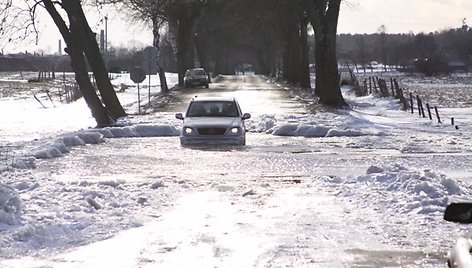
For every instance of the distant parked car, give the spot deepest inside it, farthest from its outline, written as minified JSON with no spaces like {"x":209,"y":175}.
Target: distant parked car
{"x":459,"y":256}
{"x":196,"y":77}
{"x":213,"y":120}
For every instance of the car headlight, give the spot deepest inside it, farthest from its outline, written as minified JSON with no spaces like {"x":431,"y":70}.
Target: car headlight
{"x":188,"y":131}
{"x":235,"y":130}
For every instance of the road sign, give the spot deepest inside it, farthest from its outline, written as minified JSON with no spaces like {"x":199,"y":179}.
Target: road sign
{"x":137,"y":74}
{"x":150,"y":60}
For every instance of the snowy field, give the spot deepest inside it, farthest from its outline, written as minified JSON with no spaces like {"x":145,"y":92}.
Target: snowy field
{"x":361,"y":187}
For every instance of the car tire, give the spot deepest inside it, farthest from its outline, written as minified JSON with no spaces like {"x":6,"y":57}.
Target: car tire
{"x":207,"y":86}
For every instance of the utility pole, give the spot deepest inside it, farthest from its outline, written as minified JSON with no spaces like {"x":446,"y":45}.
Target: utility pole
{"x":106,"y":35}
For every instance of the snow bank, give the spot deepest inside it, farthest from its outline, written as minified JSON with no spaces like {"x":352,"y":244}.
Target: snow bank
{"x":161,"y":130}
{"x":96,"y":136}
{"x":314,"y":131}
{"x":10,"y":206}
{"x":18,"y":162}
{"x":57,"y":215}
{"x":61,"y":145}
{"x":306,"y":126}
{"x":401,"y":190}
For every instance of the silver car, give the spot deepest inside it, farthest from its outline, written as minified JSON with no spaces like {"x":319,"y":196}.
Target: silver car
{"x":213,"y":120}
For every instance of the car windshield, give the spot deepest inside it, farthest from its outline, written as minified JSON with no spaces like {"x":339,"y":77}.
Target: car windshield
{"x":195,"y":72}
{"x":212,"y":109}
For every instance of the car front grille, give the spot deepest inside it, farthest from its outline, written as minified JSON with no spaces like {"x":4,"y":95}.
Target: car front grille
{"x":211,"y":131}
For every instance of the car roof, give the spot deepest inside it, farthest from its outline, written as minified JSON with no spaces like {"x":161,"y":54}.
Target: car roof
{"x":213,"y":99}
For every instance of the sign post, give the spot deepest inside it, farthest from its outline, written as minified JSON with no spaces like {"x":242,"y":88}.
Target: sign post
{"x":150,"y":65}
{"x":137,"y":75}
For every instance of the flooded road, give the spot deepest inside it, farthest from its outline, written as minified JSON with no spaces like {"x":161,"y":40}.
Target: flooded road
{"x":252,"y":91}
{"x":281,"y":201}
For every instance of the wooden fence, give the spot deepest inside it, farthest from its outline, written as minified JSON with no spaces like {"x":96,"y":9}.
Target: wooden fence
{"x":390,"y":87}
{"x":379,"y":86}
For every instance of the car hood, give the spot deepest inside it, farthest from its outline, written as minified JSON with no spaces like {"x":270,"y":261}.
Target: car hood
{"x":212,"y":121}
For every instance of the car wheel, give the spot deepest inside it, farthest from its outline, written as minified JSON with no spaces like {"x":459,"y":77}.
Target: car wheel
{"x":207,"y":86}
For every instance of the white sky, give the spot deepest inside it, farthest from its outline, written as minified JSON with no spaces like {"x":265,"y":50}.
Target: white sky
{"x":403,"y":16}
{"x":357,"y":16}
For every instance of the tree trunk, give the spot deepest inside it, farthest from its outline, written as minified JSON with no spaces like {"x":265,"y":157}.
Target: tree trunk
{"x":78,"y":63}
{"x":155,"y":42}
{"x":90,"y":47}
{"x":324,"y":18}
{"x":79,"y":66}
{"x":327,"y":77}
{"x":295,"y":57}
{"x":292,"y":49}
{"x":305,"y":81}
{"x":202,"y":54}
{"x":184,"y":53}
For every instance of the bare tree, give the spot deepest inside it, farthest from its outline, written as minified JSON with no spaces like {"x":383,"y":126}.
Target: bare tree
{"x":323,"y":15}
{"x":150,"y":11}
{"x":81,"y":45}
{"x":79,"y":65}
{"x":18,"y":22}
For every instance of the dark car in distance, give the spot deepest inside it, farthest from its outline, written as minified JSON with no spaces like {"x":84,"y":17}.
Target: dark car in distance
{"x":196,"y":77}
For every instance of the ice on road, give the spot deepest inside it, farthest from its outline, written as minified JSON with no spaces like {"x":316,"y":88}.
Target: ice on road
{"x":285,"y":227}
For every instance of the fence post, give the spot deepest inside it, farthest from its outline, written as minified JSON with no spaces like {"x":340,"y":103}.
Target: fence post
{"x":397,"y":87}
{"x":420,"y":106}
{"x":411,"y":102}
{"x":370,"y":84}
{"x":375,"y":81}
{"x":386,"y":90}
{"x":402,"y":99}
{"x":429,"y":111}
{"x":387,"y":93}
{"x":437,"y":114}
{"x":383,"y":88}
{"x":379,"y":83}
{"x":418,"y":101}
{"x":392,"y":86}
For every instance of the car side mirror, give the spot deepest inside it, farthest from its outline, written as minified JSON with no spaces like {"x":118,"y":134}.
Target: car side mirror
{"x":246,"y":116}
{"x":459,"y":212}
{"x":179,"y":116}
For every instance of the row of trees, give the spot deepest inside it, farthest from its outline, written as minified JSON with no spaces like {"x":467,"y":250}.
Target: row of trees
{"x":427,"y":53}
{"x":270,"y":34}
{"x":220,"y":34}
